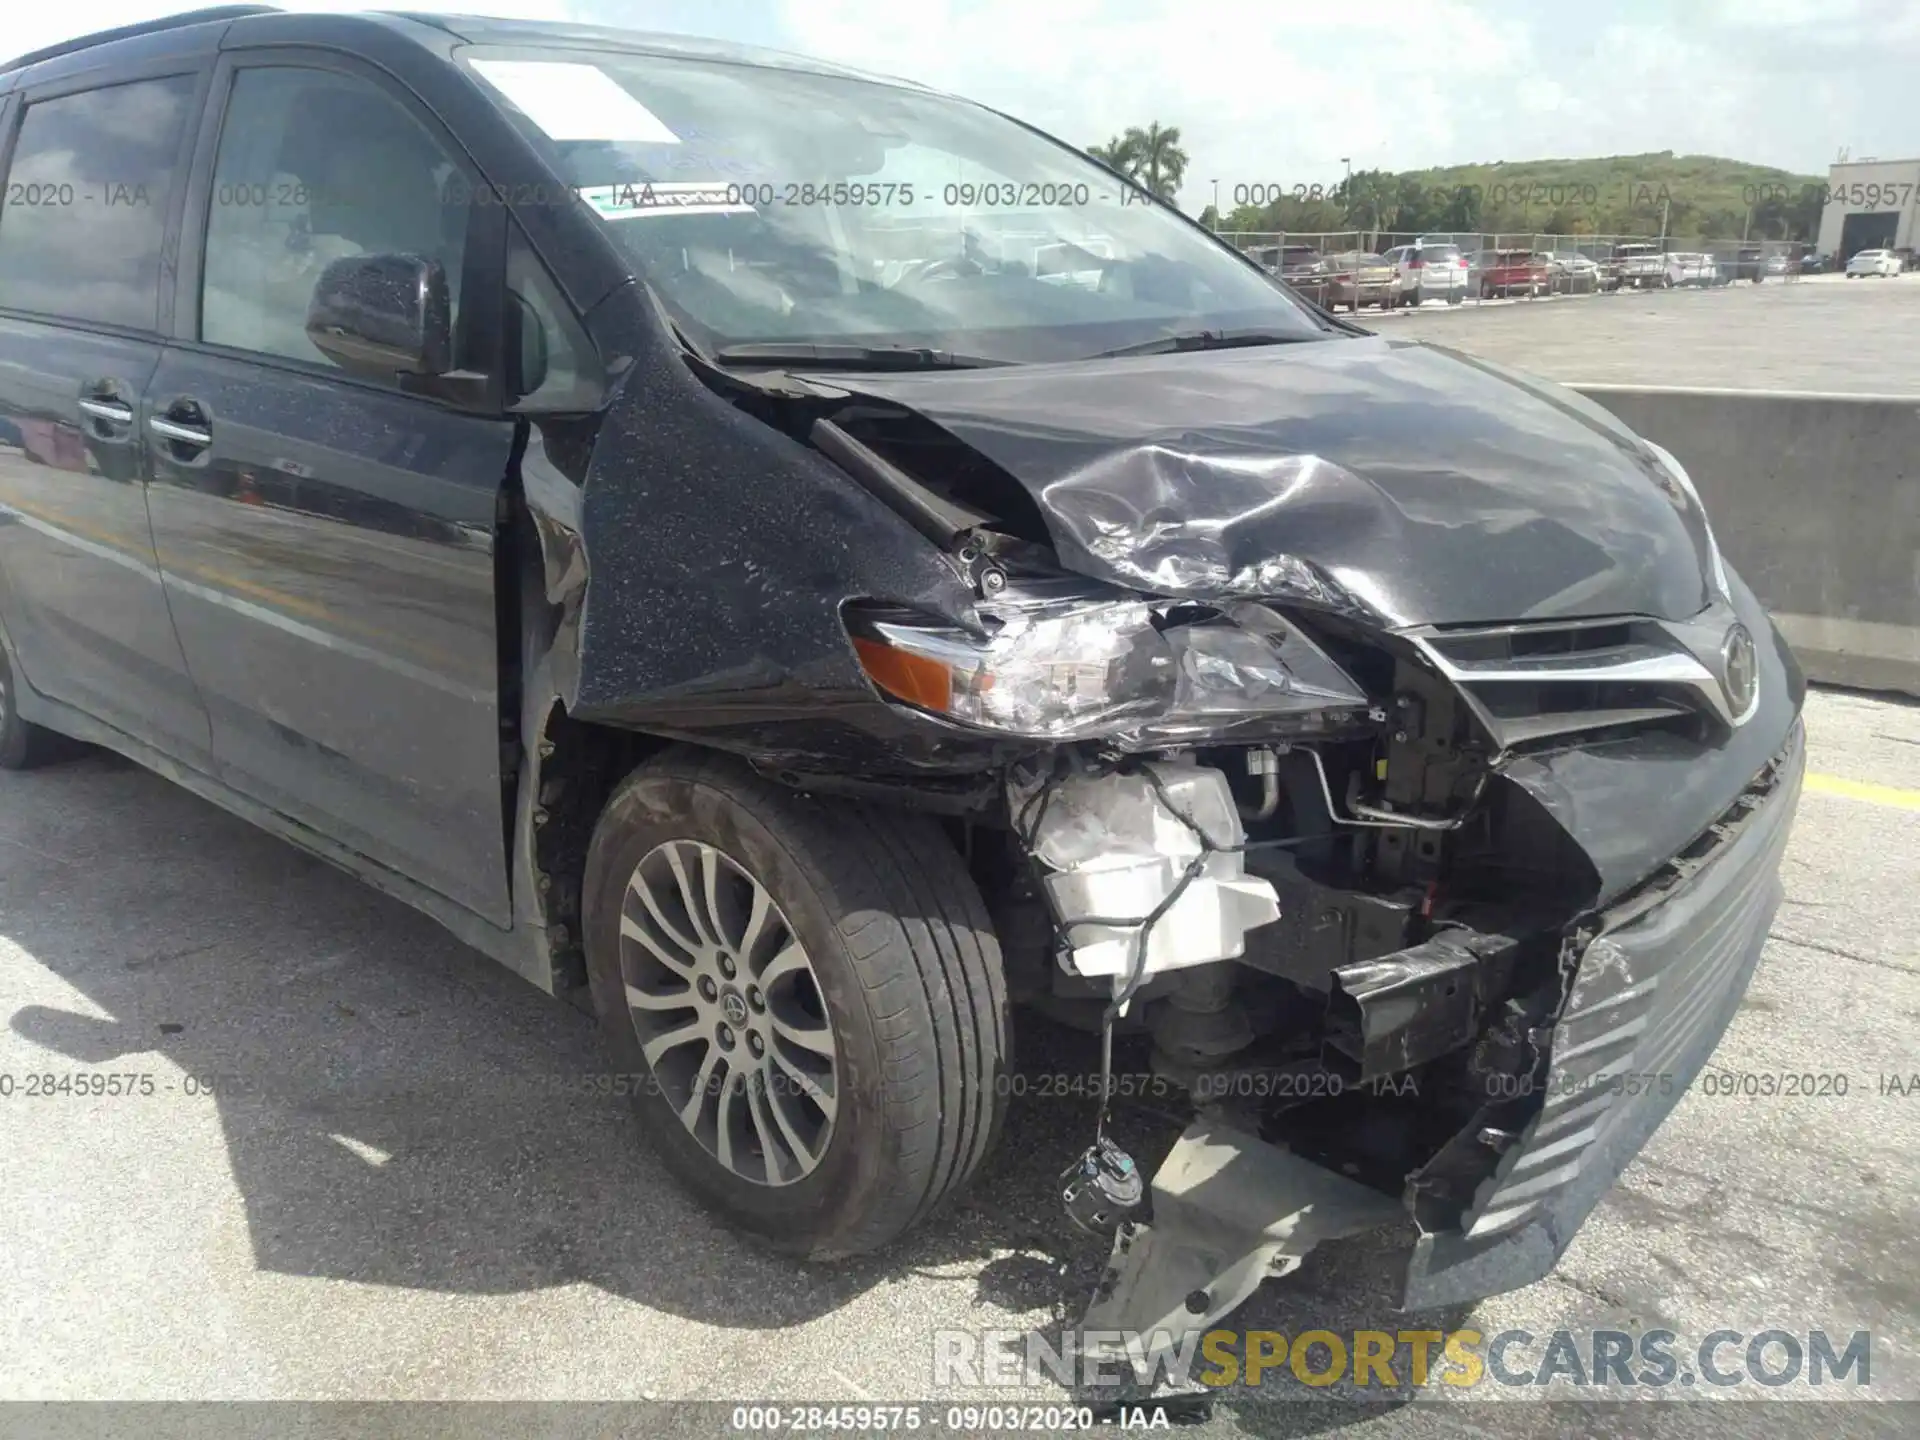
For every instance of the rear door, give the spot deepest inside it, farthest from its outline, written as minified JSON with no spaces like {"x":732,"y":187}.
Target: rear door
{"x":327,"y":542}
{"x":95,"y":172}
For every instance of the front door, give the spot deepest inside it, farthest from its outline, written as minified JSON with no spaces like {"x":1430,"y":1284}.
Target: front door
{"x":327,"y":542}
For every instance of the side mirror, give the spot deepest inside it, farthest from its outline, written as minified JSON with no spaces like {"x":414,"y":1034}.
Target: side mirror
{"x":382,"y":316}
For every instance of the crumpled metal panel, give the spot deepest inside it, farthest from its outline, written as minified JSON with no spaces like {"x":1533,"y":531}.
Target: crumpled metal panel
{"x":701,"y":566}
{"x":1651,"y":996}
{"x":1402,"y":482}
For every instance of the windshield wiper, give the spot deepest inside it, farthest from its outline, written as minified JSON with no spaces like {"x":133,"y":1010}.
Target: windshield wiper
{"x":852,"y":357}
{"x":1201,"y":340}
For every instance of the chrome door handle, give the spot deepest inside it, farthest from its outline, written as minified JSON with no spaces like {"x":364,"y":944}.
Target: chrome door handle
{"x":181,"y":434}
{"x":113,"y":411}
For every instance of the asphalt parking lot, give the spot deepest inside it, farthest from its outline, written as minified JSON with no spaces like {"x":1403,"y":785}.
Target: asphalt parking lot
{"x":1819,"y":333}
{"x":357,"y":1164}
{"x":386,"y":1197}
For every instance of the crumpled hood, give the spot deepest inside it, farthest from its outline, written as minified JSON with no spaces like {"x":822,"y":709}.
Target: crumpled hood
{"x":1404,"y":482}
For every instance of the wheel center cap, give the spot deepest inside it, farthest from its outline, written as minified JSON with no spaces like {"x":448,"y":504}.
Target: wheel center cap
{"x":734,"y":1006}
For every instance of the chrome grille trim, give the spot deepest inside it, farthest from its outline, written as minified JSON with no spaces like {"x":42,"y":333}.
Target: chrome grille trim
{"x":1673,"y":665}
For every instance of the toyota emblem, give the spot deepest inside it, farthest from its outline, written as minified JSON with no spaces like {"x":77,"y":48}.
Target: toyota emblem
{"x":1740,"y":671}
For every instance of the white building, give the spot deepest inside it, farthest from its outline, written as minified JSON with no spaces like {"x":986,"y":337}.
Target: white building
{"x":1871,"y":205}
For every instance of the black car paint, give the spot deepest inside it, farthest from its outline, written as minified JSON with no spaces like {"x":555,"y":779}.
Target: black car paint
{"x":79,"y":583}
{"x":333,"y":665}
{"x":434,"y":588}
{"x":370,"y":549}
{"x":1397,"y":470}
{"x":1631,"y":802}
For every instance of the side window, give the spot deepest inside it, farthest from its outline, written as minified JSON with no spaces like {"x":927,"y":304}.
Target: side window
{"x":315,"y":166}
{"x":85,"y":210}
{"x":556,"y":368}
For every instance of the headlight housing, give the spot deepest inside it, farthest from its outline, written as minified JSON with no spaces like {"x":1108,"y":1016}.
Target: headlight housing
{"x":1136,"y":672}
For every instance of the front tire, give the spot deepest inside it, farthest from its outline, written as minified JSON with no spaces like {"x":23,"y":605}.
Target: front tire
{"x":808,"y":994}
{"x":24,"y":745}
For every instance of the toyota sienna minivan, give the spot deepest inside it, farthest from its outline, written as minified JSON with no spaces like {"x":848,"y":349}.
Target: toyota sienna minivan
{"x":646,"y":504}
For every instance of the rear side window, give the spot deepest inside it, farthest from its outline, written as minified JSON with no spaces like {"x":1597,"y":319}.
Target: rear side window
{"x":85,"y":209}
{"x":316,"y":166}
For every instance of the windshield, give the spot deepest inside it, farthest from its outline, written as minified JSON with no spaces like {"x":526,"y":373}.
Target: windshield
{"x":777,"y":206}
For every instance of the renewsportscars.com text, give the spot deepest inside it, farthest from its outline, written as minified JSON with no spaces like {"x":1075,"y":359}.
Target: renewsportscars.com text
{"x":1393,"y":1359}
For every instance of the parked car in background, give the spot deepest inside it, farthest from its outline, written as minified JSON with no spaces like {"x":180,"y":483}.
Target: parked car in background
{"x":1304,"y":270}
{"x":1748,"y":263}
{"x":1640,"y":265}
{"x":1909,"y":259}
{"x":1812,"y":262}
{"x":1873,"y":262}
{"x":1777,"y":264}
{"x":1359,"y":279}
{"x":1574,"y":273}
{"x":1513,"y":272}
{"x":1430,"y":272}
{"x":1694,"y":269}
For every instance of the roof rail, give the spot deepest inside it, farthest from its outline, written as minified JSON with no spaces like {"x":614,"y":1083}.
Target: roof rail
{"x":126,"y":32}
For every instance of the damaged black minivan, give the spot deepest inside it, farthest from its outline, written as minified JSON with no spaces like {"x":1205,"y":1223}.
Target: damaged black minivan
{"x":804,"y":564}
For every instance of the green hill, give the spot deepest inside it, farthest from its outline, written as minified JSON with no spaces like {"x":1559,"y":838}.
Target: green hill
{"x":1702,"y":196}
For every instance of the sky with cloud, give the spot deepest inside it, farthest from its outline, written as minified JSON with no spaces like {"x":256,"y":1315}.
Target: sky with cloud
{"x":1281,"y":90}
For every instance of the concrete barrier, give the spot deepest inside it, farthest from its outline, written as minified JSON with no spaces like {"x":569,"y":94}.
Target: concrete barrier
{"x":1815,"y":500}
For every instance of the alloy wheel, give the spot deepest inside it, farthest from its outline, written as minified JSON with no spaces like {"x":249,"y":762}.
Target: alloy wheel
{"x":729,"y":1012}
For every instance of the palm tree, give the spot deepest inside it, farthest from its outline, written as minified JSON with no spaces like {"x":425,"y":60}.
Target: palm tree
{"x":1159,"y":162}
{"x":1117,"y":154}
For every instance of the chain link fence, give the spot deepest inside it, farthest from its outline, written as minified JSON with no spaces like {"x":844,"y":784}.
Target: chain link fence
{"x":1344,"y":268}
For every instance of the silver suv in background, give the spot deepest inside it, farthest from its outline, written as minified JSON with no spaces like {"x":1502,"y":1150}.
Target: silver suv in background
{"x":1574,"y":273}
{"x":1430,"y":272}
{"x":1642,"y":266}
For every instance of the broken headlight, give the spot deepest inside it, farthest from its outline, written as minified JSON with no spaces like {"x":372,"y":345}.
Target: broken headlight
{"x":1076,"y":668}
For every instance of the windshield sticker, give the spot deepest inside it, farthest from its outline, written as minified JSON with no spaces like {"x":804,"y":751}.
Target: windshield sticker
{"x":637,"y":199}
{"x":575,"y":102}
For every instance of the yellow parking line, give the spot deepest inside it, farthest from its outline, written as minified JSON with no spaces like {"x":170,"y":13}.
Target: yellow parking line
{"x":1859,"y":790}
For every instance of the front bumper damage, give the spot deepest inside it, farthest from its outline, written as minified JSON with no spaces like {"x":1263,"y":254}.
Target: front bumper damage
{"x":1653,"y":985}
{"x":1308,"y":478}
{"x":1651,"y":979}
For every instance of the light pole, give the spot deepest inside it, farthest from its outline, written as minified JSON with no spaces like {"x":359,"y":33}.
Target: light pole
{"x":1216,"y":207}
{"x":1347,"y":160}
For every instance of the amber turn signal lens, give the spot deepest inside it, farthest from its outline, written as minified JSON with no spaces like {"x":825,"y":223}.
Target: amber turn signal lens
{"x":906,"y":676}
